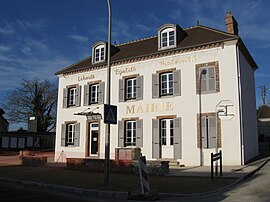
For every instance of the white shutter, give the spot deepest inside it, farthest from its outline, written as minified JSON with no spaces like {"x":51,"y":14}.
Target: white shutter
{"x":204,"y":133}
{"x":211,"y":79}
{"x":212,"y":132}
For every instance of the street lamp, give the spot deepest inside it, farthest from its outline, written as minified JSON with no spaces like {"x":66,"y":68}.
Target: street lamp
{"x":202,"y":72}
{"x":108,"y":101}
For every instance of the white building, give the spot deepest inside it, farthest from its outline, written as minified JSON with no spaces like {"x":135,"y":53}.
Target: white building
{"x":155,"y":83}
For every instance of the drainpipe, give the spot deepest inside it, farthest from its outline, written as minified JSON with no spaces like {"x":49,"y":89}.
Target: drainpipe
{"x":240,"y":105}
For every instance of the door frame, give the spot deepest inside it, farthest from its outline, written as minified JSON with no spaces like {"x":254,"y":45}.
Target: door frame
{"x":88,"y":138}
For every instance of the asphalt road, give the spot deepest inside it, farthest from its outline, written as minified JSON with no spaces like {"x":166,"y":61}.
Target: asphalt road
{"x":10,"y":192}
{"x":253,"y":189}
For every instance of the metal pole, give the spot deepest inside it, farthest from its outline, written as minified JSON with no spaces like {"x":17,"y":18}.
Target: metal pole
{"x":200,"y":112}
{"x":107,"y":129}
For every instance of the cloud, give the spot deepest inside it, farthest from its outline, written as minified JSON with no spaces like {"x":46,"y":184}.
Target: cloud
{"x":79,"y":38}
{"x":31,"y":46}
{"x":4,"y":48}
{"x":26,"y":25}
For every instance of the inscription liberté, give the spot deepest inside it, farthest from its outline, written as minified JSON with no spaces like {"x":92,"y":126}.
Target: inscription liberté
{"x":153,"y":107}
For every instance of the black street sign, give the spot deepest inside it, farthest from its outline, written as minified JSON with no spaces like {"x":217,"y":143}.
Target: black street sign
{"x":110,"y":114}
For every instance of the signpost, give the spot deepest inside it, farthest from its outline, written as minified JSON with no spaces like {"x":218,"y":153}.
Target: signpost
{"x":110,"y":114}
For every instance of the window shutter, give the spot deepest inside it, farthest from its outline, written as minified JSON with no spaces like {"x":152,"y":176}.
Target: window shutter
{"x":121,"y":133}
{"x":155,"y":139}
{"x":211,"y":79}
{"x":65,"y":98}
{"x":86,"y":95}
{"x":204,"y":133}
{"x":121,"y":90}
{"x":139,"y":89}
{"x":101,"y":93}
{"x":155,"y":85}
{"x":177,"y":136}
{"x":177,"y":83}
{"x":78,"y":96}
{"x":212,"y":132}
{"x":139,"y":133}
{"x":63,"y":135}
{"x":203,"y":81}
{"x":77,"y":135}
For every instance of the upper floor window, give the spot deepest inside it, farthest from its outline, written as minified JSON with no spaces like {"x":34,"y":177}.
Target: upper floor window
{"x":72,"y":96}
{"x":166,"y":83}
{"x":94,"y":93}
{"x":167,"y":38}
{"x":131,"y":88}
{"x":98,"y":52}
{"x":207,"y":75}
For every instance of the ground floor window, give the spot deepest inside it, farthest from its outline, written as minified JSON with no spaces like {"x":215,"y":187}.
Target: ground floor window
{"x":70,"y":135}
{"x":130,"y":139}
{"x":166,"y":131}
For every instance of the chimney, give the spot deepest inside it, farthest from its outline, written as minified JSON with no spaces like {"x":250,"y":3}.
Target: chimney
{"x":231,"y":24}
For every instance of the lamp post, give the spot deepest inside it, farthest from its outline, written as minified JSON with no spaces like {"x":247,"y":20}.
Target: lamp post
{"x":108,"y":101}
{"x":202,"y":72}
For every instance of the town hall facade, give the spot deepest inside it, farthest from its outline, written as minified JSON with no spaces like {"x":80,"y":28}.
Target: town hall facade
{"x":180,"y":95}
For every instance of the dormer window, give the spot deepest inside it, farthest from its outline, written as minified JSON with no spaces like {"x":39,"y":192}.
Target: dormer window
{"x":169,"y":36}
{"x":99,"y":52}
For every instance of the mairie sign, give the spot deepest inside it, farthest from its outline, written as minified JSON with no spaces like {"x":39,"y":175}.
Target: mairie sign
{"x":110,"y":114}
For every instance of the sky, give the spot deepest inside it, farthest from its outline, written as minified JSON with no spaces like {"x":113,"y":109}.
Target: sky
{"x":40,"y":37}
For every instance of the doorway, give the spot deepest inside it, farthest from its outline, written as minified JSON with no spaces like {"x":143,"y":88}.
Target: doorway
{"x":93,"y":139}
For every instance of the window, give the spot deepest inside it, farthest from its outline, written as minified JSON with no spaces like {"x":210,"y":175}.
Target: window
{"x":94,"y":93}
{"x":70,"y":134}
{"x":130,"y":133}
{"x":207,"y":75}
{"x":72,"y":96}
{"x":208,"y":131}
{"x":99,"y":53}
{"x":167,"y":138}
{"x":166,"y":128}
{"x":167,"y":38}
{"x":168,"y":83}
{"x":94,"y":89}
{"x":131,"y":88}
{"x":130,"y":139}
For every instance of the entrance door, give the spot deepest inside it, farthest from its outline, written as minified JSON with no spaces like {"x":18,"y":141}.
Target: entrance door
{"x":93,"y":139}
{"x":167,"y":140}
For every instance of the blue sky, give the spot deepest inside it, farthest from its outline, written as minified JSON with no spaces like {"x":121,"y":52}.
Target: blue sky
{"x":38,"y":38}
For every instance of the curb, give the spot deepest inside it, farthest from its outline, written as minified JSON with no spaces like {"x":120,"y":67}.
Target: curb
{"x":123,"y":195}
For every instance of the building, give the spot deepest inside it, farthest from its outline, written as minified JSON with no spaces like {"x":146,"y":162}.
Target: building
{"x":3,"y":122}
{"x":168,"y":90}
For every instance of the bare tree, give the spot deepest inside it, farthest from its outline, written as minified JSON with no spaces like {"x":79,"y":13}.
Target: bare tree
{"x":33,"y":98}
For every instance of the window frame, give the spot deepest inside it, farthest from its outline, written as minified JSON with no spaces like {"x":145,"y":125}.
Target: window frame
{"x":94,"y":99}
{"x":130,"y":133}
{"x":99,"y":52}
{"x":167,"y":81}
{"x":167,"y":38}
{"x":70,"y":134}
{"x":165,"y":136}
{"x":71,"y":96}
{"x":133,"y":87}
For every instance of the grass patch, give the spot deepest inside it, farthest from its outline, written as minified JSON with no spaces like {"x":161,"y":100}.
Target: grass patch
{"x":118,"y":182}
